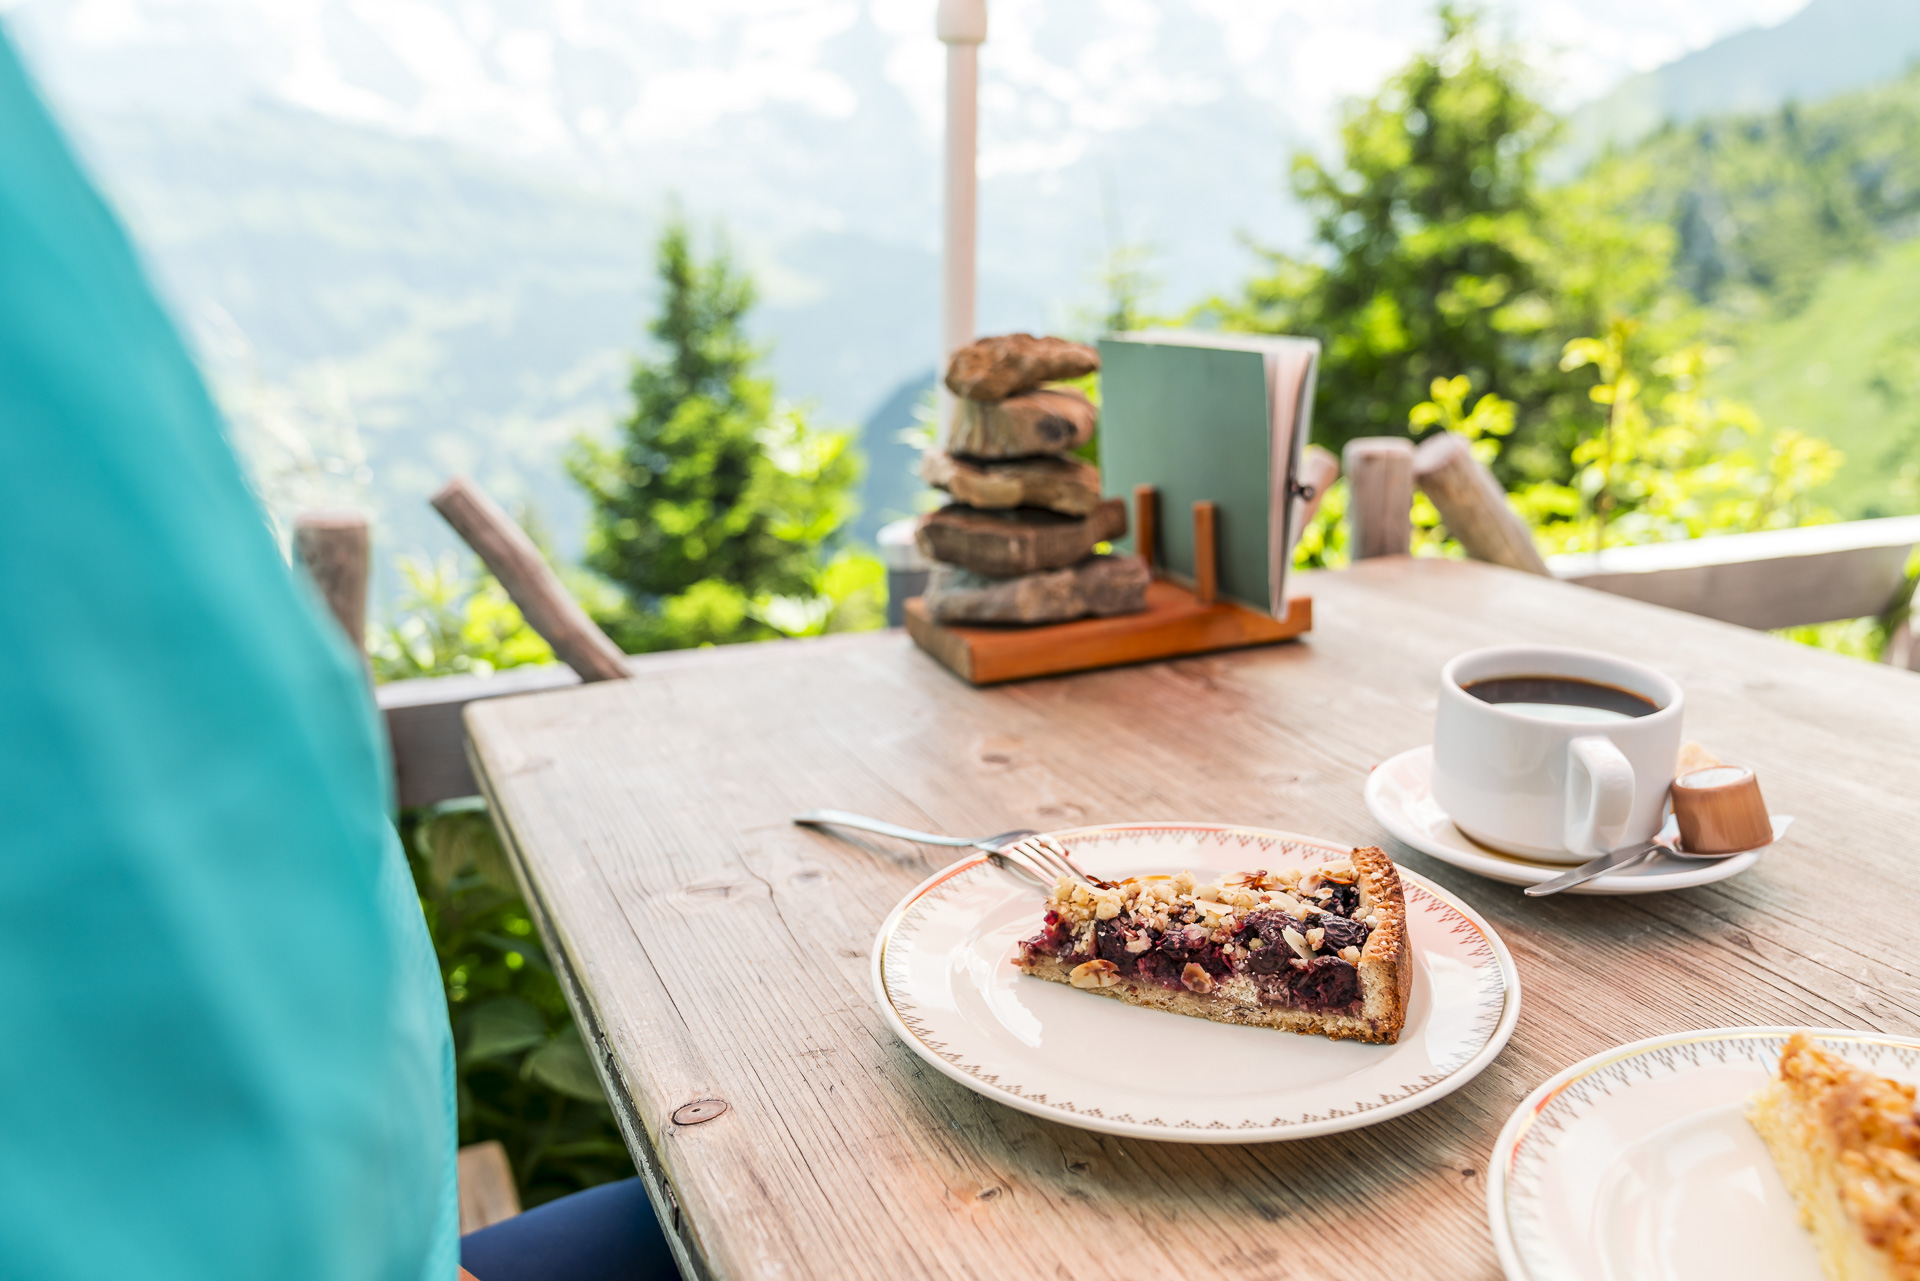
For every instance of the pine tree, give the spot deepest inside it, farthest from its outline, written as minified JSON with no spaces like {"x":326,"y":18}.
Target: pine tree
{"x":715,"y":510}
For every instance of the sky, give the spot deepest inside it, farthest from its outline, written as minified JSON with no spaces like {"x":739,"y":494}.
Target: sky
{"x":810,"y":129}
{"x":588,"y":81}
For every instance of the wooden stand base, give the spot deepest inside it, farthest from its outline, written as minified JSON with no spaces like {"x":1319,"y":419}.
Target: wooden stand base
{"x":1175,"y":623}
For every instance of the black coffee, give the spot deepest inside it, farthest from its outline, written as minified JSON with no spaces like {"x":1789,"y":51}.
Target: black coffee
{"x":1560,"y":696}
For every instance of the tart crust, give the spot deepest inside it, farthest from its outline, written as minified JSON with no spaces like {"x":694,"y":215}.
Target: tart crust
{"x":1847,"y":1143}
{"x":1385,"y":966}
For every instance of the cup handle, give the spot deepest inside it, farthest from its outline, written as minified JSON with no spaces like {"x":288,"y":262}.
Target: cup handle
{"x":1599,"y":796}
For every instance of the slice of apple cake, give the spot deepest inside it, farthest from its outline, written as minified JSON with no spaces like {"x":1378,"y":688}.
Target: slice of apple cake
{"x":1322,"y":950}
{"x":1847,"y":1143}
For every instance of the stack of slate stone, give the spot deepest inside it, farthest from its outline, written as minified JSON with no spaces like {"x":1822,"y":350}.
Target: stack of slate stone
{"x":1016,"y":545}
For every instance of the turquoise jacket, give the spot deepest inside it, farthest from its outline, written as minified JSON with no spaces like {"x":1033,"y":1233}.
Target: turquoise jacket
{"x":224,"y":1052}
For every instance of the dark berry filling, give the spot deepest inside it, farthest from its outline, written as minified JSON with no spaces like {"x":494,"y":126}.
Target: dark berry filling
{"x":1254,"y":944}
{"x":1328,"y":983}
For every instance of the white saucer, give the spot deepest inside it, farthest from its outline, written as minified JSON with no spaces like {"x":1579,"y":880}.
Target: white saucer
{"x":1639,"y":1162}
{"x":1400,"y":797}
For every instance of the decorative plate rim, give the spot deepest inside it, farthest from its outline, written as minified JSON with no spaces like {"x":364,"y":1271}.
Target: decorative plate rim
{"x":1506,"y":1148}
{"x":1188,"y":1133}
{"x":1506,"y":869}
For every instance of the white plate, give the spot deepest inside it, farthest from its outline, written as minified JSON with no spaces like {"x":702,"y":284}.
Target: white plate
{"x":1400,"y":796}
{"x":1638,"y":1164}
{"x":943,"y":971}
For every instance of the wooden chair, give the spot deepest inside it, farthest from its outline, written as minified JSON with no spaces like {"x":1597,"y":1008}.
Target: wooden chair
{"x":487,"y":1192}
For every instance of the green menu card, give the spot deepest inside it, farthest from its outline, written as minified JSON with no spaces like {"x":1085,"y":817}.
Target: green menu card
{"x":1211,"y":417}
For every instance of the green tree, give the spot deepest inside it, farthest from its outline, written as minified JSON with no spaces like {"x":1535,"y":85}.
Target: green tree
{"x":1436,"y":254}
{"x":1429,"y":237}
{"x":716,"y":510}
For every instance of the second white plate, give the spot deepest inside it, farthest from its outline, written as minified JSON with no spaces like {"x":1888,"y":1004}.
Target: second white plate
{"x":943,"y":972}
{"x":1638,"y":1164}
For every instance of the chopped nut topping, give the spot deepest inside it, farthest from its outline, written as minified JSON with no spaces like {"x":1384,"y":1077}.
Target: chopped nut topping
{"x":1315,"y":937}
{"x":1297,"y":942}
{"x":1094,"y":974}
{"x":1339,"y":874}
{"x":1140,"y":942}
{"x":1351,"y":955}
{"x":1196,"y":978}
{"x":1214,"y":913}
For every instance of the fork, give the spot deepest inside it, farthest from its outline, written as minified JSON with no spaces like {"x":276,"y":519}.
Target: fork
{"x":1022,"y":850}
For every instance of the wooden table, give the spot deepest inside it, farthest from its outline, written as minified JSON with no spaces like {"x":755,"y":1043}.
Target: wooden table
{"x":715,"y":951}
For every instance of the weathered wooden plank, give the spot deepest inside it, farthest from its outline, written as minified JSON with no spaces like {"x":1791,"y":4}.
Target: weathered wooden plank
{"x":1379,"y":496}
{"x":530,"y":581}
{"x":1779,"y":578}
{"x":723,"y":952}
{"x":427,"y":737}
{"x":1472,"y":503}
{"x":487,"y":1193}
{"x":337,"y":553}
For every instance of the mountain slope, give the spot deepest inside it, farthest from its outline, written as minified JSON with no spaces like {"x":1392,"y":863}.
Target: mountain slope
{"x":1763,"y":205}
{"x":377,"y":313}
{"x":1829,"y":47}
{"x":1846,"y":368}
{"x":1796,"y":228}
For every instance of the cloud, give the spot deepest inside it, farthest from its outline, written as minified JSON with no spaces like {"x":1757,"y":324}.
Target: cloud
{"x":599,"y":82}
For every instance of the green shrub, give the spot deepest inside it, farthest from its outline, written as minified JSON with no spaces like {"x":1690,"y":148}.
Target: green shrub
{"x":524,"y":1075}
{"x":447,"y":623}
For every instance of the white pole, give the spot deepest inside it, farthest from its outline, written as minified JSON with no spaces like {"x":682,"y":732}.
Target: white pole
{"x":962,"y":25}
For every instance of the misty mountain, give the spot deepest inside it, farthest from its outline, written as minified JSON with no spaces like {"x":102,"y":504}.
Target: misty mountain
{"x":379,"y":308}
{"x":1827,"y":48}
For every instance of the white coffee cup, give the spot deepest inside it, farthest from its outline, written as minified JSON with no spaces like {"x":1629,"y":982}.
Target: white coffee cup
{"x":1553,"y":783}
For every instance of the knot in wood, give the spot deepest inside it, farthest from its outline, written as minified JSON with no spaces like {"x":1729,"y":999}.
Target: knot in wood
{"x":699,"y":1110}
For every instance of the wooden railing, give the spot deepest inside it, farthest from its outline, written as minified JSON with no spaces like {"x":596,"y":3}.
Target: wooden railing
{"x":1778,"y":578}
{"x":1781,"y":578}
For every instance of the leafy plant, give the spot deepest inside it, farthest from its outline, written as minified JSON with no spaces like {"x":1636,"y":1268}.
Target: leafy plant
{"x":716,"y":511}
{"x":524,"y":1076}
{"x":1665,"y":460}
{"x":447,"y":622}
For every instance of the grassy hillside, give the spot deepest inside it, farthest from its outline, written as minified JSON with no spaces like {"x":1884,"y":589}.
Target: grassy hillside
{"x":1846,"y":367}
{"x":1795,"y":229}
{"x":1764,"y":205}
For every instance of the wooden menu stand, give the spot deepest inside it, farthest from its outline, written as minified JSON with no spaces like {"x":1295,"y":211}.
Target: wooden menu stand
{"x":1179,"y":620}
